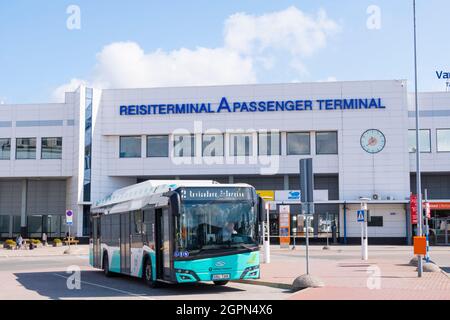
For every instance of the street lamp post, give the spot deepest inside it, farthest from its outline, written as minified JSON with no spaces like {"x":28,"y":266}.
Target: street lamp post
{"x":418,"y":171}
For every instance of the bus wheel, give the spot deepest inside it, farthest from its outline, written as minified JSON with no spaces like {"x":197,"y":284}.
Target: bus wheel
{"x":220,"y":283}
{"x":106,"y":265}
{"x":147,"y":274}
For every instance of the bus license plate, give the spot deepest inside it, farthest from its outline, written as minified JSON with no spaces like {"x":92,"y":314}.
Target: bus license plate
{"x":221,"y":276}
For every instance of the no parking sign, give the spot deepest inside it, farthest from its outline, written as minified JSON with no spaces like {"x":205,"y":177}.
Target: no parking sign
{"x":69,"y":217}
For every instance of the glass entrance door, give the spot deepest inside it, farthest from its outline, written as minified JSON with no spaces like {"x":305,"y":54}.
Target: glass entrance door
{"x":96,"y":242}
{"x":441,"y":228}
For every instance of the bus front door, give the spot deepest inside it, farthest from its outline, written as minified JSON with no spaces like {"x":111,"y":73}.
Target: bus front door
{"x":96,"y":242}
{"x":125,"y":254}
{"x":162,"y":244}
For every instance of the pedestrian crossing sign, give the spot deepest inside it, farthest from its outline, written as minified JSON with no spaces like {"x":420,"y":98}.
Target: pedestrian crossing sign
{"x":360,"y":216}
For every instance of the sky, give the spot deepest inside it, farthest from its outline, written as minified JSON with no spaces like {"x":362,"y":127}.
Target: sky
{"x":48,"y":47}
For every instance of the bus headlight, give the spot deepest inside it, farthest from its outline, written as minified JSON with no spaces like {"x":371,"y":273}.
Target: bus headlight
{"x":187,"y":275}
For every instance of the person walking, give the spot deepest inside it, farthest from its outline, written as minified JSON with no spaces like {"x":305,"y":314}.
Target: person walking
{"x":19,"y":241}
{"x":44,"y":239}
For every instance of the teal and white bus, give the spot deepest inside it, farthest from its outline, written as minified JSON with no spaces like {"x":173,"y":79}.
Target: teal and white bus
{"x":178,"y":232}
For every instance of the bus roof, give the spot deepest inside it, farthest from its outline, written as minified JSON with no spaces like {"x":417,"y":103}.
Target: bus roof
{"x":136,"y":196}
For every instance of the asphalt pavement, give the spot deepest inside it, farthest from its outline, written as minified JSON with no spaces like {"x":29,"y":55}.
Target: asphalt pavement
{"x":48,"y":277}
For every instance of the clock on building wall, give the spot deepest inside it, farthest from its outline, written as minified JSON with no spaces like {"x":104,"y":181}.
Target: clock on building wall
{"x":373,"y":141}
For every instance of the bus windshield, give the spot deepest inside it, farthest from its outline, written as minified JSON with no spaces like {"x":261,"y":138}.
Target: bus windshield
{"x":209,"y":226}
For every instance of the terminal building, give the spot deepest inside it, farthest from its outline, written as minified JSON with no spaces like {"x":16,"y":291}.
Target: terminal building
{"x":67,"y":156}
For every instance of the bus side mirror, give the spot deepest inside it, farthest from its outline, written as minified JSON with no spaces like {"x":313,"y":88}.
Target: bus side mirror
{"x":175,"y":203}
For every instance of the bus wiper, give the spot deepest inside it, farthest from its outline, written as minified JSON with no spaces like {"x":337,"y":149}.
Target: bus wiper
{"x":245,"y":246}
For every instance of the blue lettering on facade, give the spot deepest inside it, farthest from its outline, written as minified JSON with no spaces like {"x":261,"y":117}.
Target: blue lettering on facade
{"x":224,"y":105}
{"x":253,"y":106}
{"x":442,"y":75}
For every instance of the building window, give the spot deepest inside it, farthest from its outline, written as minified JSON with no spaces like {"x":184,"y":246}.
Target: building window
{"x":5,"y":149}
{"x":184,"y":145}
{"x":51,"y":148}
{"x":25,"y":148}
{"x":443,"y":140}
{"x":130,"y":147}
{"x":4,"y":226}
{"x":157,"y":146}
{"x":87,"y":175}
{"x":375,"y":221}
{"x":298,"y":143}
{"x":425,"y":140}
{"x":241,"y":145}
{"x":326,"y":142}
{"x":212,"y":145}
{"x":269,"y":144}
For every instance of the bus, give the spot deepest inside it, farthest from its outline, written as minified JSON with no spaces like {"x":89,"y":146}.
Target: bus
{"x":178,"y":232}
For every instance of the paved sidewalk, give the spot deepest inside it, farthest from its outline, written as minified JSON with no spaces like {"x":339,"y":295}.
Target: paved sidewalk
{"x":386,"y":275}
{"x":44,"y":251}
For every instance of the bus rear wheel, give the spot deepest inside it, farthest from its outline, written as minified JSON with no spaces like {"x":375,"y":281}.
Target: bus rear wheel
{"x":106,"y":265}
{"x":220,"y":283}
{"x":147,"y":274}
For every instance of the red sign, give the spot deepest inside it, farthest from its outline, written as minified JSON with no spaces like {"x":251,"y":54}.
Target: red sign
{"x":413,"y":208}
{"x":440,"y":205}
{"x":427,"y":210}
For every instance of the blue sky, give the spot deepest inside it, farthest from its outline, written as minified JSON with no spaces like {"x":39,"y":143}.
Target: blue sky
{"x":39,"y":54}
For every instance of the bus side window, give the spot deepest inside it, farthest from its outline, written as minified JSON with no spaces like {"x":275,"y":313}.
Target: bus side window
{"x":148,"y":230}
{"x":115,"y":230}
{"x":137,"y":223}
{"x":106,"y":229}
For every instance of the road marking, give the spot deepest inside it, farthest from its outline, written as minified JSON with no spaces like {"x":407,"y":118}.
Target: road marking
{"x":109,"y":288}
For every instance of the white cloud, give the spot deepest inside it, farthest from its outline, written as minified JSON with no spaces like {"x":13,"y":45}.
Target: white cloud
{"x":59,"y":92}
{"x":329,"y":79}
{"x":126,"y":65}
{"x":251,"y":43}
{"x":289,"y":30}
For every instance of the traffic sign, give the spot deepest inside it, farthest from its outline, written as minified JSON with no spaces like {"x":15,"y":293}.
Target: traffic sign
{"x":360,"y":216}
{"x":69,"y":217}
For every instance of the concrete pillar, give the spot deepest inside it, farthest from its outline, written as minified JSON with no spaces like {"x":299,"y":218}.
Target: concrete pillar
{"x":286,"y":182}
{"x":283,"y":146}
{"x":143,"y":146}
{"x":23,"y":209}
{"x":10,"y":230}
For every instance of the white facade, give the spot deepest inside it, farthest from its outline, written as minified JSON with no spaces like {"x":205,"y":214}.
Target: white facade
{"x":360,"y":174}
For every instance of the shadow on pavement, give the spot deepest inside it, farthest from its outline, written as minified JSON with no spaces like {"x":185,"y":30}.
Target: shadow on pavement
{"x":94,"y":284}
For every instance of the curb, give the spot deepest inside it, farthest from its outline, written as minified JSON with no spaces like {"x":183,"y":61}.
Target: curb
{"x":266,"y":284}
